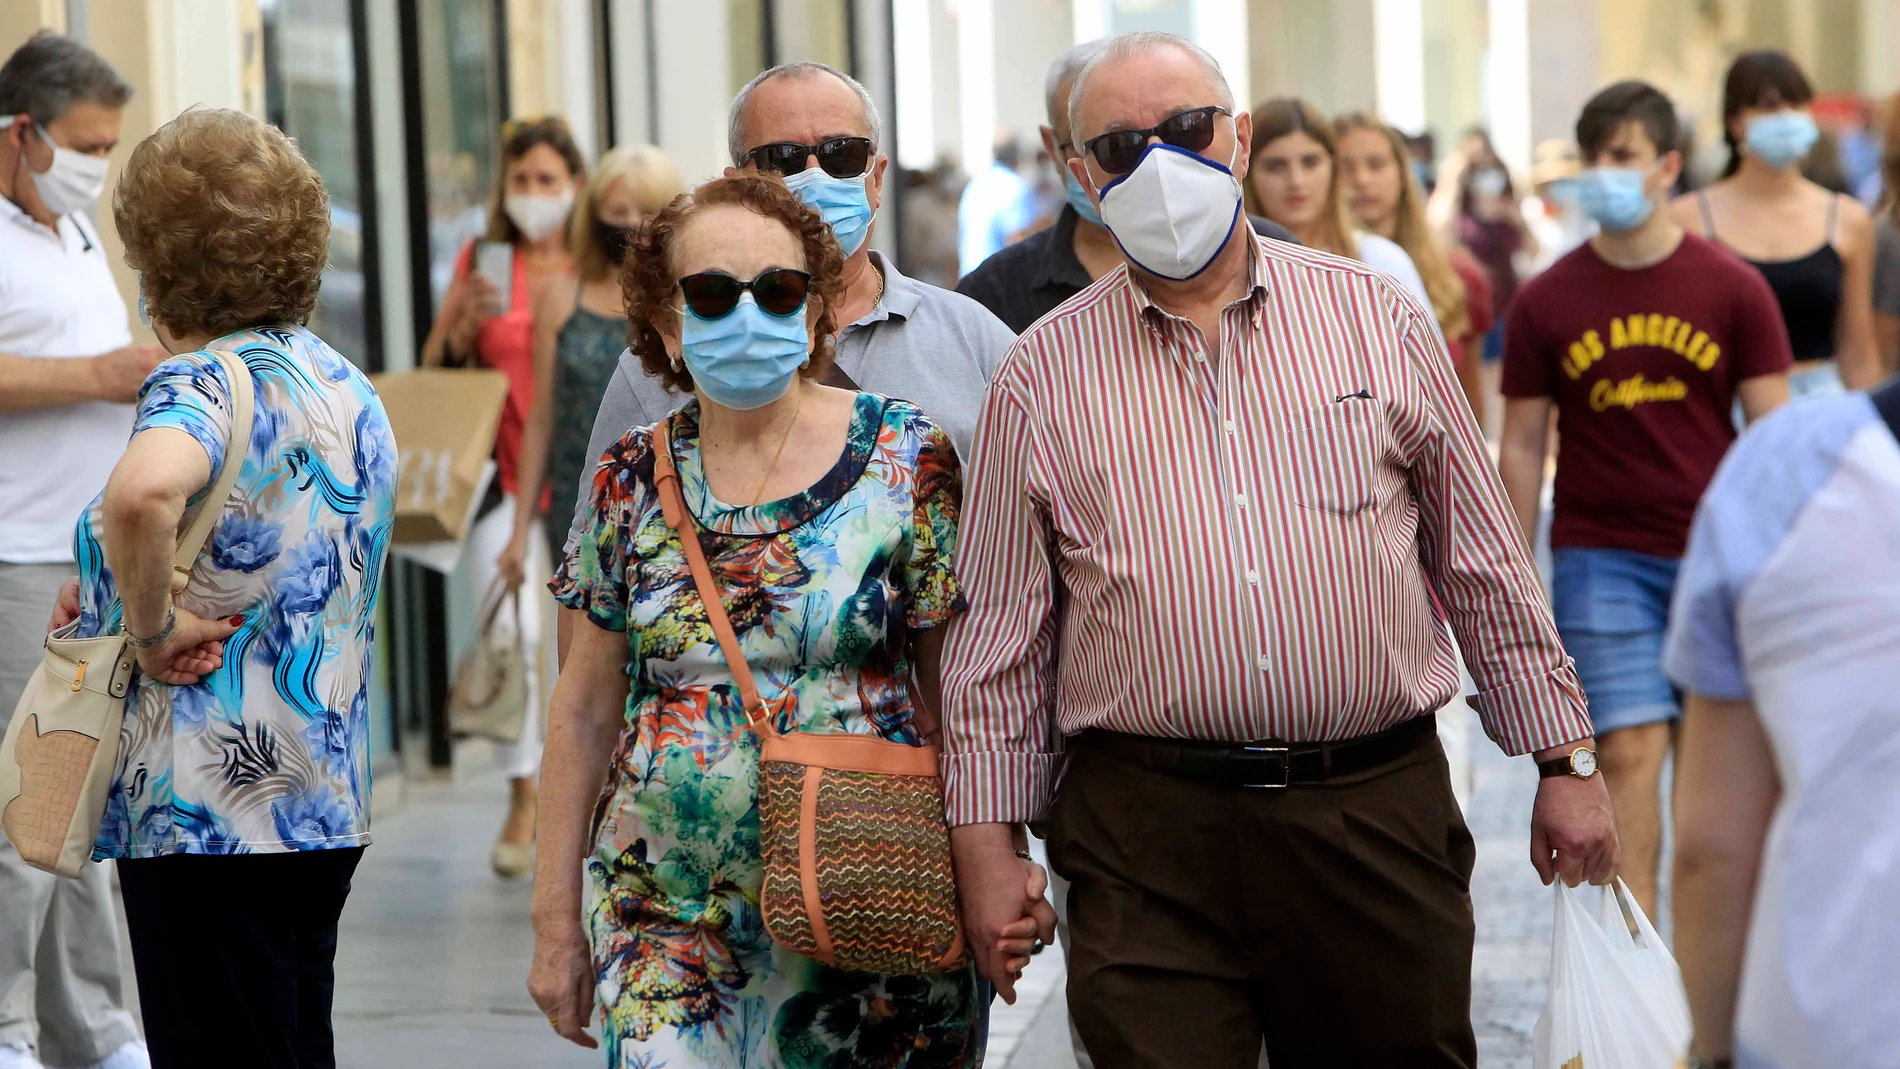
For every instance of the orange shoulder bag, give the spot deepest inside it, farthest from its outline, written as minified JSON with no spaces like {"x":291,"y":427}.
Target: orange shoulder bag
{"x":856,"y":848}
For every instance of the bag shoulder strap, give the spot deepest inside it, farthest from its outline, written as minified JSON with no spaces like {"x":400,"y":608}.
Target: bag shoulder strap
{"x":1886,"y":401}
{"x":235,"y":449}
{"x":673,"y":505}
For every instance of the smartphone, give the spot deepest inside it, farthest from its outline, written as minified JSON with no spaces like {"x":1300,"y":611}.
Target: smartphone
{"x":496,"y":262}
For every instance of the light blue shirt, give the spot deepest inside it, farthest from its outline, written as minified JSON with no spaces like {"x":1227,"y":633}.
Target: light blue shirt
{"x":1789,"y":596}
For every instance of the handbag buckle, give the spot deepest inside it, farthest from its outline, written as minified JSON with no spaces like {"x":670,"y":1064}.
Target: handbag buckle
{"x":1268,"y":757}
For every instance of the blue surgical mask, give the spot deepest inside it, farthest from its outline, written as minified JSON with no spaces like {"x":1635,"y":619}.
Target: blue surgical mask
{"x":1079,"y":198}
{"x":746,"y":358}
{"x":1615,"y":197}
{"x":843,"y":203}
{"x":1783,"y":138}
{"x":145,"y":314}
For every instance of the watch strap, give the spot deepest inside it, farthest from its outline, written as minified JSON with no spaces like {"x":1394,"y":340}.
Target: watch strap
{"x":1556,"y":766}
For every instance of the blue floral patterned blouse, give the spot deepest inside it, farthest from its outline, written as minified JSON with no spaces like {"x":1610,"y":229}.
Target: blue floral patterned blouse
{"x":271,"y":752}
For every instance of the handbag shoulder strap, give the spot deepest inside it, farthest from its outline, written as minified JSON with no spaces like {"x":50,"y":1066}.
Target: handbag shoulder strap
{"x":673,"y":505}
{"x":236,"y":447}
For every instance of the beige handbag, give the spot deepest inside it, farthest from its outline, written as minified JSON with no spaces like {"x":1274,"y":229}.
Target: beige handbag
{"x":62,"y":746}
{"x":489,"y":699}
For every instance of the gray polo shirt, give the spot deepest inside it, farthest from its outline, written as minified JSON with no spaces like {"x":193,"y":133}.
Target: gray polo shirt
{"x":922,"y":344}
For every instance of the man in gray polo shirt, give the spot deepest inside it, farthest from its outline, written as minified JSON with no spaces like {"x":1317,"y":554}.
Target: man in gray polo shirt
{"x":906,"y":338}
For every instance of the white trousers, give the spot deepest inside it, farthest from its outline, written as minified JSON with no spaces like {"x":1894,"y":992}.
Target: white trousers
{"x":486,"y":540}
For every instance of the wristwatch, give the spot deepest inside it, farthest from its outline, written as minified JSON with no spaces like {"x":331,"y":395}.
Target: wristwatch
{"x":1580,"y":762}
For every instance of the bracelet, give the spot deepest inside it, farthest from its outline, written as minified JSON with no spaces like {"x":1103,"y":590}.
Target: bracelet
{"x":171,"y":622}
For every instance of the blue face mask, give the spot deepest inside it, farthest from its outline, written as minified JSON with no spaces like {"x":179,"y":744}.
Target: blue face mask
{"x":1615,"y":198}
{"x":746,"y":358}
{"x":1782,"y":139}
{"x":1079,"y":198}
{"x":842,"y":203}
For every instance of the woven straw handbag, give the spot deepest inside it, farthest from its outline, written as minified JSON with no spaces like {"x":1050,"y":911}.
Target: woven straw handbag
{"x":489,"y":699}
{"x":62,"y":745}
{"x":856,"y":848}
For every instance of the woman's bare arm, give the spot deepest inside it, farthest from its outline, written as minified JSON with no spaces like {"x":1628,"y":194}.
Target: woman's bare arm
{"x":1726,"y":792}
{"x":1855,"y":349}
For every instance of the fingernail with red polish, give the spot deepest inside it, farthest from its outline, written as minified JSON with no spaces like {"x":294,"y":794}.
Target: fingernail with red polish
{"x":237,"y":621}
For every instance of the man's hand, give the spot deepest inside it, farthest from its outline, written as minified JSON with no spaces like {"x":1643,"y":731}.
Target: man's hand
{"x":121,"y":372}
{"x":66,"y":608}
{"x":194,"y":650}
{"x":1004,"y":910}
{"x":1573,"y":828}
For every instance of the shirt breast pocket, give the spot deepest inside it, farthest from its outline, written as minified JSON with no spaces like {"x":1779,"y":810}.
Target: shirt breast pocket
{"x":1337,"y":450}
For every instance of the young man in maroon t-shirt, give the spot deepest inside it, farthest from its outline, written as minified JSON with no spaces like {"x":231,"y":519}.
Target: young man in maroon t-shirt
{"x":1644,"y":339}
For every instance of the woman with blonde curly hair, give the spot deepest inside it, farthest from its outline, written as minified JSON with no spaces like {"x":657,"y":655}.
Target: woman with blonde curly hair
{"x":830,"y":519}
{"x":241,"y":802}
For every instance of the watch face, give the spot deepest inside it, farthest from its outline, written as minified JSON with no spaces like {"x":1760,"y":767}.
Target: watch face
{"x":1583,"y":762}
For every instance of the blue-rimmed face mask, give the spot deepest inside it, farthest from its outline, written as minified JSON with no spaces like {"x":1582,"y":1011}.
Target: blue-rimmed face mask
{"x":746,"y":358}
{"x":1783,"y":138}
{"x":1174,"y":213}
{"x":1079,"y":197}
{"x":1615,"y":197}
{"x":843,"y":203}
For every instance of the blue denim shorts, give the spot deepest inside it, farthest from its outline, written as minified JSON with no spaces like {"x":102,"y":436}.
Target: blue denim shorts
{"x":1612,"y":608}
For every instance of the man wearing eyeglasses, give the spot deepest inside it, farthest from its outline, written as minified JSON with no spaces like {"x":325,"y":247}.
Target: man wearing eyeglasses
{"x":1025,"y":281}
{"x":819,"y":130}
{"x":1226,"y":511}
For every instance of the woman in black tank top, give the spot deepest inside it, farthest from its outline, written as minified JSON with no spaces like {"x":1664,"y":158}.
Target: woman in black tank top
{"x":1815,"y":248}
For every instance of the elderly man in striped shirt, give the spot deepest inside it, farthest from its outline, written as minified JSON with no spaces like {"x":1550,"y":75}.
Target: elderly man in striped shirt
{"x":1226,"y":513}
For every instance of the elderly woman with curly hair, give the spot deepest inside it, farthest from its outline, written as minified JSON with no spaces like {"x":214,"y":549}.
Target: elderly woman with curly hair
{"x":829,"y":518}
{"x":241,"y":804}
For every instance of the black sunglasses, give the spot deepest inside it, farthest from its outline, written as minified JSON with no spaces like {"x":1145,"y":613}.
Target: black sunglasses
{"x":714,"y":294}
{"x":841,"y":157}
{"x":1118,"y":151}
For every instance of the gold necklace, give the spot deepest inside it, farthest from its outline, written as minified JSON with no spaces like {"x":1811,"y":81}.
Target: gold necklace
{"x":797,"y":406}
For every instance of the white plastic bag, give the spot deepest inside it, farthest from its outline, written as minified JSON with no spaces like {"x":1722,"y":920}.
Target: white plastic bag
{"x":1616,"y":999}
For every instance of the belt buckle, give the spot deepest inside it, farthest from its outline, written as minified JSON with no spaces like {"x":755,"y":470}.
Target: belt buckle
{"x":1286,"y":766}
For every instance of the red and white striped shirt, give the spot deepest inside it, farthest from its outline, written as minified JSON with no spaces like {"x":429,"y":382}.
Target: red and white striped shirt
{"x":1234,"y":546}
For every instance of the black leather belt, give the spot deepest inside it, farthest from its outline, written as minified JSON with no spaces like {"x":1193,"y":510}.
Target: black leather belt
{"x":1264,"y":764}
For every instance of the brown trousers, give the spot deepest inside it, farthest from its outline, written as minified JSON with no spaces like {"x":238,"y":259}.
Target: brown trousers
{"x":1332,"y":920}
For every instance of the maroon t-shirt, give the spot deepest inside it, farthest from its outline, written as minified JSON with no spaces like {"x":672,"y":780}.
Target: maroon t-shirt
{"x":1643,"y":367}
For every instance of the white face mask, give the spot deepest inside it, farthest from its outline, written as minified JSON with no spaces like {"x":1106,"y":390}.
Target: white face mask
{"x":537,"y":215}
{"x":73,"y":182}
{"x":1172,"y":214}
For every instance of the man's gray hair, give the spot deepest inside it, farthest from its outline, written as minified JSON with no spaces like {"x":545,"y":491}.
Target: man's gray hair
{"x":1064,"y":69}
{"x":1131,"y":44}
{"x":735,"y":120}
{"x":51,"y":72}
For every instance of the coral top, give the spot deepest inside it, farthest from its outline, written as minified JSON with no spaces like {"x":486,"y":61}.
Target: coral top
{"x":506,"y":344}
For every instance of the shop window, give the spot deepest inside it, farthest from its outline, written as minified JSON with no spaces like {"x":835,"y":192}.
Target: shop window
{"x":311,"y":83}
{"x":461,"y":111}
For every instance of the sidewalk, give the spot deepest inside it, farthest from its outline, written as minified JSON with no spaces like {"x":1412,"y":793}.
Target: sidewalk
{"x":434,"y":951}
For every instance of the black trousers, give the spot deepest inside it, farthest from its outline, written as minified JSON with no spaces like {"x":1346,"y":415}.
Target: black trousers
{"x":235,"y":956}
{"x":1331,"y":921}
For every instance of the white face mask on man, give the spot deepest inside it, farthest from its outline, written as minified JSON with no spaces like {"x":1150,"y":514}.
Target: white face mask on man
{"x":74,"y":181}
{"x":1173,"y":214}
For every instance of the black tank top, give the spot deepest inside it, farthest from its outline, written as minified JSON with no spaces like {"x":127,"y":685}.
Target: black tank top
{"x":1808,"y":288}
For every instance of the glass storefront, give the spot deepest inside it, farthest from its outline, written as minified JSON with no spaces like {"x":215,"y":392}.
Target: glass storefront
{"x":311,"y":84}
{"x":461,"y":123}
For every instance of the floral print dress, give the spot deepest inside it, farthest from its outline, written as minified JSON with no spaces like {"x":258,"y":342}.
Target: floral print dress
{"x":824,"y":589}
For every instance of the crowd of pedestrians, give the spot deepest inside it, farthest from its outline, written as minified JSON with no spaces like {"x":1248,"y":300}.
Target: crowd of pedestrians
{"x":1170,"y":529}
